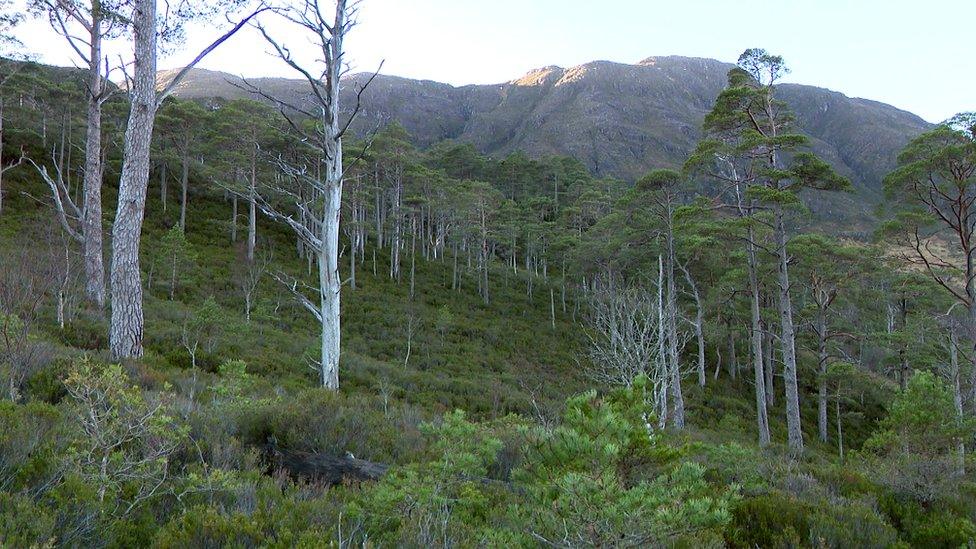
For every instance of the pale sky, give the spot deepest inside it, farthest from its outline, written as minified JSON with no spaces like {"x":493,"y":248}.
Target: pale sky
{"x":918,"y":56}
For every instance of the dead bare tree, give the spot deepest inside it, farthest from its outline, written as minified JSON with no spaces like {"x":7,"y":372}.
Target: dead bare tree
{"x":318,"y":209}
{"x":625,"y":340}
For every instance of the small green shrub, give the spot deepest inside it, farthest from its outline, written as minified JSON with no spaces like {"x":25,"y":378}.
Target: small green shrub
{"x":23,"y":523}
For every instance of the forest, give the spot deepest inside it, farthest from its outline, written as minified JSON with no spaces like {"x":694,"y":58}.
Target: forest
{"x":237,"y":322}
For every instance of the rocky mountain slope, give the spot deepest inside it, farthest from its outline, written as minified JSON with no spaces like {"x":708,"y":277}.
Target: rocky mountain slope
{"x":620,"y":119}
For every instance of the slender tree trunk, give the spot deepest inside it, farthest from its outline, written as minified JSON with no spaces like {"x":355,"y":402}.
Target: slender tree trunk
{"x":352,"y":265}
{"x":769,"y":366}
{"x":1,"y":153}
{"x":822,"y":373}
{"x":904,"y":368}
{"x":956,"y":394}
{"x":378,"y":210}
{"x":788,"y":341}
{"x":252,"y":212}
{"x":552,"y":308}
{"x":184,"y":183}
{"x":395,"y":243}
{"x":91,"y":227}
{"x":126,"y":332}
{"x":483,"y":255}
{"x":233,"y":218}
{"x":840,"y":432}
{"x":454,"y":271}
{"x":698,"y":325}
{"x":972,"y":339}
{"x":329,"y":283}
{"x":664,"y":366}
{"x":413,"y":256}
{"x":162,"y":184}
{"x":756,"y":336}
{"x":677,"y":398}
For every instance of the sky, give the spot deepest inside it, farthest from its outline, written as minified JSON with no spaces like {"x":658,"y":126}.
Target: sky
{"x":918,"y":56}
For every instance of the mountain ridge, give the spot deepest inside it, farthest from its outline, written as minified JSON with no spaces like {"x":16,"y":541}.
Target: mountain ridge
{"x":619,"y":119}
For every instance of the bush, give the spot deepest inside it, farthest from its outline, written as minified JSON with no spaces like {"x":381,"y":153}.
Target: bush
{"x":318,"y":420}
{"x":923,"y":527}
{"x":915,"y":451}
{"x":604,"y":478}
{"x":29,"y":444}
{"x":768,"y":521}
{"x":843,"y":526}
{"x":86,"y":334}
{"x":23,"y":523}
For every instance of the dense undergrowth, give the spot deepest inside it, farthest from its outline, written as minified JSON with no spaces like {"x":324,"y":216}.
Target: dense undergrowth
{"x":491,"y":435}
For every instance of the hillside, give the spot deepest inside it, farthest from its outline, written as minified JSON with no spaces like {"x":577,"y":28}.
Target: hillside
{"x":621,"y":120}
{"x":523,"y":363}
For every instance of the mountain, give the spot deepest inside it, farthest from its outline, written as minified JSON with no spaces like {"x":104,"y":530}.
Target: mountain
{"x":619,"y":119}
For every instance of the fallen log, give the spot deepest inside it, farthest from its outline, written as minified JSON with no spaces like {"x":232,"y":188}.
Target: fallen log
{"x":330,"y":469}
{"x":326,"y":468}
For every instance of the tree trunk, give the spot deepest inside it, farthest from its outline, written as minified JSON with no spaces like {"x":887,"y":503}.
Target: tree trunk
{"x":329,"y":283}
{"x":126,"y":332}
{"x":840,"y":432}
{"x":662,"y":353}
{"x":252,"y":212}
{"x":769,"y":367}
{"x":162,"y":184}
{"x":904,"y":367}
{"x":756,"y":336}
{"x":822,"y":374}
{"x":352,"y":264}
{"x":233,"y":218}
{"x":184,"y":183}
{"x":1,"y":153}
{"x":395,"y":243}
{"x":552,"y":308}
{"x":677,"y":398}
{"x":413,"y":255}
{"x":956,"y":394}
{"x":698,"y":325}
{"x":788,"y":341}
{"x":91,"y":227}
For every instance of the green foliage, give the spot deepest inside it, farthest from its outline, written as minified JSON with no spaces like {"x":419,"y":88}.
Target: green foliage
{"x":447,"y":500}
{"x":195,"y":470}
{"x":203,"y":329}
{"x":234,"y":382}
{"x":175,"y":253}
{"x":264,"y":515}
{"x":592,"y":480}
{"x":915,"y":450}
{"x":923,"y":526}
{"x":29,"y":444}
{"x":776,"y":520}
{"x":126,"y":437}
{"x":24,"y":523}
